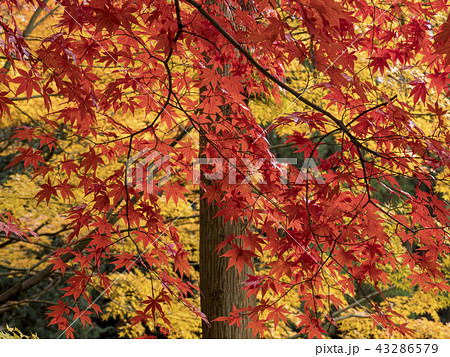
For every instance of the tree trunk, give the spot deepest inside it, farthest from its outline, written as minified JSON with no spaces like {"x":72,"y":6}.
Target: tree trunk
{"x":220,"y":289}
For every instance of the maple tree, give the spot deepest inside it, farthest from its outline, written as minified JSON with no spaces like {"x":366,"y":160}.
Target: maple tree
{"x":120,"y":78}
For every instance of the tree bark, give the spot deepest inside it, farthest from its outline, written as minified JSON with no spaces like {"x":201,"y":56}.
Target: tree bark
{"x":219,"y":288}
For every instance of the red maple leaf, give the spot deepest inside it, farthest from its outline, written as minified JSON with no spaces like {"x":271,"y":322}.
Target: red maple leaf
{"x":58,"y":312}
{"x":258,"y":327}
{"x":46,"y":193}
{"x":174,"y":191}
{"x":379,"y":63}
{"x":438,"y":80}
{"x":82,"y":315}
{"x":419,"y":91}
{"x":239,"y":257}
{"x":277,"y":313}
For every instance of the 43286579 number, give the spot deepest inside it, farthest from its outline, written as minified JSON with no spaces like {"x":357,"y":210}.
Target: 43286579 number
{"x":418,"y":348}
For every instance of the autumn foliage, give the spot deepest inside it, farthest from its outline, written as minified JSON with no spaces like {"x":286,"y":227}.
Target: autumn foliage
{"x":114,"y":79}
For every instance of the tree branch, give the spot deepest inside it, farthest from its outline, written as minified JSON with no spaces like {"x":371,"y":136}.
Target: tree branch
{"x":274,"y":79}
